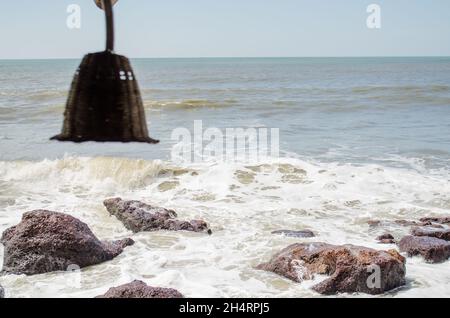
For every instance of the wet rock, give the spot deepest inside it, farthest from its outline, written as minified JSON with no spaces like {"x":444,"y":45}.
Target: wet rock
{"x":351,"y":268}
{"x":138,"y":289}
{"x":443,"y":234}
{"x":140,"y":217}
{"x":440,"y":219}
{"x":432,"y":249}
{"x":2,"y":292}
{"x":379,"y":223}
{"x":298,"y":234}
{"x":404,"y":223}
{"x":374,"y":223}
{"x":46,"y":241}
{"x":386,"y":239}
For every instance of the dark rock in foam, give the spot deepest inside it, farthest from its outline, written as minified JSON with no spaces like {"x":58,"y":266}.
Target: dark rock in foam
{"x":141,"y":217}
{"x":138,"y":289}
{"x":437,"y":219}
{"x":351,"y":268}
{"x":299,"y":234}
{"x":386,"y":239}
{"x":46,"y":241}
{"x":443,"y":234}
{"x":432,"y":249}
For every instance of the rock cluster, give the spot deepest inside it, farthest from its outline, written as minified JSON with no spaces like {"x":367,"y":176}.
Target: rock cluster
{"x":351,"y":268}
{"x":442,"y":234}
{"x":440,"y":220}
{"x":429,"y":237}
{"x":433,"y":250}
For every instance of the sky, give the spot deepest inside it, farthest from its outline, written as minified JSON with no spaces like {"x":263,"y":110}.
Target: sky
{"x":227,"y":28}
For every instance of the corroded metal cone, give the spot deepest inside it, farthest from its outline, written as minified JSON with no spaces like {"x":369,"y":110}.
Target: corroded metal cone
{"x":101,"y":5}
{"x":105,"y":103}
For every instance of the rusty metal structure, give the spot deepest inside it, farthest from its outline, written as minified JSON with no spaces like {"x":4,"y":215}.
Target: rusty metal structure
{"x":104,"y":102}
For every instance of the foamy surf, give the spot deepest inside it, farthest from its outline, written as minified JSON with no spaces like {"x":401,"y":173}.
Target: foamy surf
{"x":243,"y":202}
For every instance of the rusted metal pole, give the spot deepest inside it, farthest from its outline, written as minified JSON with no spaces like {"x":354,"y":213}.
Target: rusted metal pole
{"x":109,"y":25}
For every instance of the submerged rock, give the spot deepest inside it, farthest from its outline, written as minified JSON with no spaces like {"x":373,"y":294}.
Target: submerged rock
{"x":138,"y":289}
{"x":386,"y":239}
{"x":140,"y":217}
{"x":443,"y":234}
{"x":404,"y":223}
{"x":407,"y":223}
{"x":299,"y":234}
{"x":351,"y":268}
{"x":432,"y":249}
{"x":439,"y":219}
{"x":46,"y":241}
{"x":2,"y":292}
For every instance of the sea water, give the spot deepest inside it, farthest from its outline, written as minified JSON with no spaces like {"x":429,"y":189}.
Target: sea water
{"x":360,"y":139}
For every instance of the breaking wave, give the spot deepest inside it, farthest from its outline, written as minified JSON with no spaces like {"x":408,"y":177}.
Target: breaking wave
{"x":187,"y":104}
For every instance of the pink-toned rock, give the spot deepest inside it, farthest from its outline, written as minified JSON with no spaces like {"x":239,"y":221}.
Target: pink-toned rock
{"x":386,"y":239}
{"x":405,"y":222}
{"x":48,"y":241}
{"x":432,"y":249}
{"x":415,"y":223}
{"x":437,"y":219}
{"x":138,"y":289}
{"x":141,"y":217}
{"x":443,"y":234}
{"x":351,"y":268}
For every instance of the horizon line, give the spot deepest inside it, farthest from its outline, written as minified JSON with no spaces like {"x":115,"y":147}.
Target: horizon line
{"x":238,"y":57}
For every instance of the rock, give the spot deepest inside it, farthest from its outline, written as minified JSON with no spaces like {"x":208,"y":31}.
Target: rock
{"x":443,"y":234}
{"x":415,"y":223}
{"x":140,"y":217}
{"x":440,"y":219}
{"x":138,"y":289}
{"x":377,"y":223}
{"x":386,"y":239}
{"x":299,"y":234}
{"x":406,"y":223}
{"x":46,"y":241}
{"x":2,"y":292}
{"x":351,"y":267}
{"x":432,"y":249}
{"x":374,"y":223}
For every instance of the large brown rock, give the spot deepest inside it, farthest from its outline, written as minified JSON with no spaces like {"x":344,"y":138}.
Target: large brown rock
{"x":50,"y":241}
{"x":443,"y":234}
{"x":432,"y":249}
{"x":138,"y":289}
{"x":351,"y":268}
{"x":141,"y":217}
{"x":437,"y":219}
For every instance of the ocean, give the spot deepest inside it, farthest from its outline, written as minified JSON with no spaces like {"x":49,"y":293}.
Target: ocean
{"x":360,"y":139}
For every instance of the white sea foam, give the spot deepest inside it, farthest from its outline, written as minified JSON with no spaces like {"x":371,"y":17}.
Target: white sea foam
{"x":243,"y":203}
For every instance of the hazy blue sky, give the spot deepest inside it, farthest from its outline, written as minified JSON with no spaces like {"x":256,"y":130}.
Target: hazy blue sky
{"x":203,"y":28}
